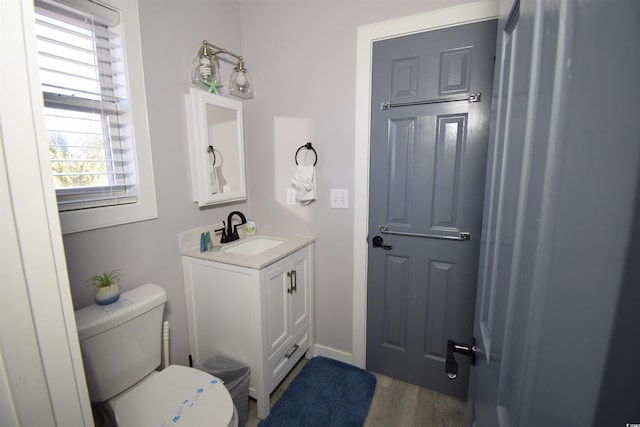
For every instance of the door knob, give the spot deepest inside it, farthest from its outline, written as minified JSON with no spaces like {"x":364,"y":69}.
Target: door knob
{"x":378,"y":242}
{"x":451,"y":366}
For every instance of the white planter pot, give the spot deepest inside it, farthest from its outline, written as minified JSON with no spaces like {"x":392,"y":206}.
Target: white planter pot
{"x":108,"y":295}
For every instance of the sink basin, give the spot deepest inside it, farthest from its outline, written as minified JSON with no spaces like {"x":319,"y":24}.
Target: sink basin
{"x":253,"y":246}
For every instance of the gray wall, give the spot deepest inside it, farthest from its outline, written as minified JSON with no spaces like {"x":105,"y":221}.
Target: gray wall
{"x":301,"y":55}
{"x":147,"y":251}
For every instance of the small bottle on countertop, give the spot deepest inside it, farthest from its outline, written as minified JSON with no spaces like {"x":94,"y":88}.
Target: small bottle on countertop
{"x":250,"y":226}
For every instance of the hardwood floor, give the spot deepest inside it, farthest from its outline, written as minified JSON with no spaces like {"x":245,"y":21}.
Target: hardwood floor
{"x":395,"y":403}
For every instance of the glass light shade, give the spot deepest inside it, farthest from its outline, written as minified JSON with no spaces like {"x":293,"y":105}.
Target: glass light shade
{"x":205,"y":70}
{"x":240,"y":83}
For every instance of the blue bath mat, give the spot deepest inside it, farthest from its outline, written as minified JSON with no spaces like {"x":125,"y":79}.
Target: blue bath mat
{"x":326,"y":392}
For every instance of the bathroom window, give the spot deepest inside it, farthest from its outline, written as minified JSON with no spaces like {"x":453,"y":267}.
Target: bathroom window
{"x":96,"y":126}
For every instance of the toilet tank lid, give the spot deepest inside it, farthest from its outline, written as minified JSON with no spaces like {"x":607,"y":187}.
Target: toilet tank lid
{"x":95,"y":319}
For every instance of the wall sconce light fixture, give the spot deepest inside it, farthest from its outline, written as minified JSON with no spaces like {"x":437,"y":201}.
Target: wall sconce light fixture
{"x":205,"y":71}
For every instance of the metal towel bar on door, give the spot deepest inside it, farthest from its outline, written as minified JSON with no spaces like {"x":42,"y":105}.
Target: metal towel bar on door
{"x":461,"y":235}
{"x":472,"y":97}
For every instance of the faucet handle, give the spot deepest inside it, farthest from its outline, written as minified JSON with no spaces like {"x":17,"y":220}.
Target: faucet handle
{"x":223,"y":238}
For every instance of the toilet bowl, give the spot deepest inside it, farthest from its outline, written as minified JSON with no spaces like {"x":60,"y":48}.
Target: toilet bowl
{"x":121,"y":348}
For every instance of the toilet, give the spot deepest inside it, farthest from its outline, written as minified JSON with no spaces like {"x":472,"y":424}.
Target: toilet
{"x":121,"y":349}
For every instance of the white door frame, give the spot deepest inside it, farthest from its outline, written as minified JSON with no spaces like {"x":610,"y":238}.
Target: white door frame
{"x":437,"y":19}
{"x":42,"y":379}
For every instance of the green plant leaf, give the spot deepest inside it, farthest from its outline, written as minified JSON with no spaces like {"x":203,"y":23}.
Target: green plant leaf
{"x":105,"y":280}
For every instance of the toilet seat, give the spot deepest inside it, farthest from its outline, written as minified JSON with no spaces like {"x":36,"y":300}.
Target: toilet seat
{"x":177,"y":396}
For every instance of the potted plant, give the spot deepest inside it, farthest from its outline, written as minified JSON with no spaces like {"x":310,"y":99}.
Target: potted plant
{"x":107,"y":286}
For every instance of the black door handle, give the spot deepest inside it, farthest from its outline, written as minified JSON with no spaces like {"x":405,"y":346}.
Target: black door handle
{"x":451,"y":366}
{"x":379,"y":243}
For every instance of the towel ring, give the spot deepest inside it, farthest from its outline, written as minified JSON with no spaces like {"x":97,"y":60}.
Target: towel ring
{"x":308,"y":146}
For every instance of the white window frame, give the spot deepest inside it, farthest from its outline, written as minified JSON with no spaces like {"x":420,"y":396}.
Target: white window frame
{"x":145,"y":207}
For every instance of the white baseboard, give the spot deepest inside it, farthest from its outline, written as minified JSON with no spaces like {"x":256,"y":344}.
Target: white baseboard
{"x":331,"y":353}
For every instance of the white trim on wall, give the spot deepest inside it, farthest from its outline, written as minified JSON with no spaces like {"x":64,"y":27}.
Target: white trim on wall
{"x":42,"y":381}
{"x":145,"y":208}
{"x":367,"y":35}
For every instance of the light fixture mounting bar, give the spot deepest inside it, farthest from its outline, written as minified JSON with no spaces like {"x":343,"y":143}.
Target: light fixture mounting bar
{"x":221,"y":50}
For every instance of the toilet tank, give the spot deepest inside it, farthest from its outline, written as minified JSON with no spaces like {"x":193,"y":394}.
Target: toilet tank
{"x":121,"y":342}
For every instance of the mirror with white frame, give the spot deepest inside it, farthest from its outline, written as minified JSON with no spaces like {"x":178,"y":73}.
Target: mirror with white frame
{"x":216,"y":148}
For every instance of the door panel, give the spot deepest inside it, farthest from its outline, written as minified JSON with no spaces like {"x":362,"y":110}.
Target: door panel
{"x":299,"y":298}
{"x":426,"y":177}
{"x":560,"y":167}
{"x":436,"y":330}
{"x":401,"y":150}
{"x":426,"y":155}
{"x":278,"y":322}
{"x":499,"y":331}
{"x":449,"y":145}
{"x":455,"y":72}
{"x":394,"y":317}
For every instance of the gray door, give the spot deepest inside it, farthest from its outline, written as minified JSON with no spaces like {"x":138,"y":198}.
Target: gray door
{"x":426,"y":189}
{"x":556,"y":317}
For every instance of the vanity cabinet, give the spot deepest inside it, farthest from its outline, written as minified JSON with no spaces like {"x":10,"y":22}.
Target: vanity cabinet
{"x":260,"y":317}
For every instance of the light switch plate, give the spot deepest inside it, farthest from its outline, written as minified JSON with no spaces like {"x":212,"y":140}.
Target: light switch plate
{"x":339,"y":198}
{"x":291,"y":196}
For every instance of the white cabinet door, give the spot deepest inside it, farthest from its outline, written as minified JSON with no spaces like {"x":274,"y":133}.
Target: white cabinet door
{"x":287,"y":314}
{"x":277,"y":314}
{"x":287,"y":299}
{"x":299,"y":297}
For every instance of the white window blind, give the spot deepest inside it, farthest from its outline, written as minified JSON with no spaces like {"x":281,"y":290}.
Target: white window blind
{"x":89,"y":129}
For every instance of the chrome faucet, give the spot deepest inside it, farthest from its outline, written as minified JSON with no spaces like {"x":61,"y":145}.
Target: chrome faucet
{"x":231,"y":233}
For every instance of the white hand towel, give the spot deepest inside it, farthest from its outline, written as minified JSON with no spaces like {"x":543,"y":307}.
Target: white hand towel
{"x":220,"y":179}
{"x":214,"y":188}
{"x":304,"y":182}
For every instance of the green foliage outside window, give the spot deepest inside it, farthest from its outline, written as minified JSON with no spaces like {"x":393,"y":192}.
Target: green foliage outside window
{"x":77,"y":166}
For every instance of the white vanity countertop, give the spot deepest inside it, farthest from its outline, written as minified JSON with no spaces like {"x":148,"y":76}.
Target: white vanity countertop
{"x":290,"y":244}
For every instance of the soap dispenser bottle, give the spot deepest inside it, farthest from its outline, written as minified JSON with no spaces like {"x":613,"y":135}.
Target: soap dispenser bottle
{"x":250,"y":226}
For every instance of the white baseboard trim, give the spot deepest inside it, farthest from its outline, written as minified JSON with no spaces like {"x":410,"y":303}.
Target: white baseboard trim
{"x":332,"y":353}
